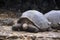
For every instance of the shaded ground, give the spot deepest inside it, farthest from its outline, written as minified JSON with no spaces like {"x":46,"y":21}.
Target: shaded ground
{"x":7,"y":34}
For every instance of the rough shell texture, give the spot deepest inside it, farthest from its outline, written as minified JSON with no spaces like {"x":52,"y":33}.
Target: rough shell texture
{"x":37,"y":18}
{"x":54,"y":17}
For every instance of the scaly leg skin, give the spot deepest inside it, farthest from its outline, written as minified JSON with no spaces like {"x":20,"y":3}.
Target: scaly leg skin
{"x":17,"y":27}
{"x":32,"y":28}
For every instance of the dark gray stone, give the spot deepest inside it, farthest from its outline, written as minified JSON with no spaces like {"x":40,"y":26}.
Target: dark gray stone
{"x":7,"y":21}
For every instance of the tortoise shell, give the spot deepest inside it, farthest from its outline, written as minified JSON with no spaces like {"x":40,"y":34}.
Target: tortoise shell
{"x":54,"y":17}
{"x":36,"y":17}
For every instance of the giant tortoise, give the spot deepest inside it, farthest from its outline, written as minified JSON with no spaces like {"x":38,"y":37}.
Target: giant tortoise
{"x":54,"y":17}
{"x":32,"y":21}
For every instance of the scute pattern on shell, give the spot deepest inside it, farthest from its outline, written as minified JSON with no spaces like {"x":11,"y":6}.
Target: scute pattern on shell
{"x":54,"y":17}
{"x":37,"y":18}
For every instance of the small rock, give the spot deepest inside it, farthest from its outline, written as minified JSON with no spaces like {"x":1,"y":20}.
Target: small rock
{"x":7,"y":21}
